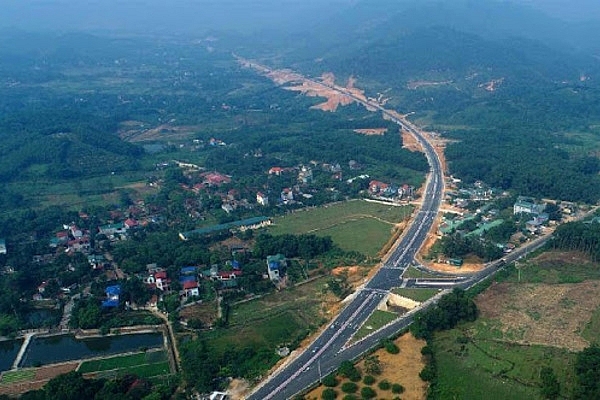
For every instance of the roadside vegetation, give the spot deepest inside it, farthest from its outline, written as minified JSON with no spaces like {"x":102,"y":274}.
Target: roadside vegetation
{"x":535,"y":330}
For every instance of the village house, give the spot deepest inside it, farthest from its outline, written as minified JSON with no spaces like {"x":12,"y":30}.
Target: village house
{"x":262,"y":199}
{"x":113,"y":294}
{"x":2,"y":246}
{"x":276,"y":266}
{"x":377,"y":187}
{"x":215,"y":179}
{"x":190,"y":289}
{"x":528,"y":205}
{"x":277,"y":171}
{"x":111,"y":230}
{"x":287,"y":195}
{"x":305,"y":175}
{"x":159,"y":280}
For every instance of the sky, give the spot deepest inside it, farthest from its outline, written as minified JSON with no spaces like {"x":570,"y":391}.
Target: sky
{"x":196,"y":16}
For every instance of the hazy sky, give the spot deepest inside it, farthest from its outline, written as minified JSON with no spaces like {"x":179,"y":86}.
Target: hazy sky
{"x":200,"y":15}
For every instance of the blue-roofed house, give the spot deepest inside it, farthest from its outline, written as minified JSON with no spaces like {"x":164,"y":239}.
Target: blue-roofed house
{"x":188,"y":270}
{"x":235,"y":264}
{"x":187,"y":278}
{"x":112,"y":296}
{"x":276,"y":266}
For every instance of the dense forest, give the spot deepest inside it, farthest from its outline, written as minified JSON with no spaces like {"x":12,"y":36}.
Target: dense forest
{"x":578,"y":236}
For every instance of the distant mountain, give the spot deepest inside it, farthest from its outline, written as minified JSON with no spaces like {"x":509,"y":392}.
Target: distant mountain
{"x":370,"y":21}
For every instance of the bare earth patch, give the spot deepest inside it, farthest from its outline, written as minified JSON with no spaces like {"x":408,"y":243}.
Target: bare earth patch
{"x":402,"y":368}
{"x":551,"y":315}
{"x":371,"y":132}
{"x":135,"y":132}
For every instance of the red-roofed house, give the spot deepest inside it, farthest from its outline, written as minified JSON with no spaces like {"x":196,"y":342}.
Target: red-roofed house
{"x":160,"y":280}
{"x":190,"y":288}
{"x":275,"y":171}
{"x":130,"y":223}
{"x":216,"y":179}
{"x":227,"y":275}
{"x":376,"y":187}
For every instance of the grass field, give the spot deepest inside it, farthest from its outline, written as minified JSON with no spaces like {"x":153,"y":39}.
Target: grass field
{"x":278,"y":318}
{"x":412,"y":272}
{"x":17,"y":376}
{"x":473,"y":368}
{"x":377,"y":320}
{"x":353,"y":225}
{"x":420,"y":295}
{"x":145,"y":364}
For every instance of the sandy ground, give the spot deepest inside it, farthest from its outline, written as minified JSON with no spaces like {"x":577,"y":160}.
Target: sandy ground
{"x":402,"y":368}
{"x":340,"y":96}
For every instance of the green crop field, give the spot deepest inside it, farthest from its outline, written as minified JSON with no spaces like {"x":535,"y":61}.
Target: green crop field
{"x":21,"y":375}
{"x":152,"y":360}
{"x":353,"y":225}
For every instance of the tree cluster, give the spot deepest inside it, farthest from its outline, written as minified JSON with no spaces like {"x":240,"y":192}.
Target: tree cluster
{"x":452,"y":309}
{"x":73,"y":386}
{"x":578,"y":236}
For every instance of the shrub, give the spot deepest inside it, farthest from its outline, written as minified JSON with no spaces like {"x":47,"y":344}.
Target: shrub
{"x":367,"y":393}
{"x":427,"y":373}
{"x":384,"y":385}
{"x":397,"y":388}
{"x":329,"y":394}
{"x":369,"y":380}
{"x":349,"y":387}
{"x":391,"y":347}
{"x":349,"y":397}
{"x":330,"y":381}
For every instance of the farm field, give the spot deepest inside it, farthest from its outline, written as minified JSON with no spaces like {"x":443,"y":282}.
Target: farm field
{"x":538,"y":320}
{"x":149,"y":363}
{"x":18,"y":382}
{"x":353,"y":225}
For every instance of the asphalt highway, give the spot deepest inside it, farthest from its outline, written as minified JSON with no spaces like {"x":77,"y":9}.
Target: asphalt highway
{"x":330,"y":348}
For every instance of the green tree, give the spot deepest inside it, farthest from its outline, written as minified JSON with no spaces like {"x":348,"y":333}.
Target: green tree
{"x":330,"y":380}
{"x":587,"y":370}
{"x":550,"y":386}
{"x":369,"y":380}
{"x":329,"y":394}
{"x":397,"y":388}
{"x":367,"y":392}
{"x":349,"y":387}
{"x":348,"y":370}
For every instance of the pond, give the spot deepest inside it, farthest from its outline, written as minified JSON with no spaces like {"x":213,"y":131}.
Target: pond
{"x":8,"y":352}
{"x":55,"y":349}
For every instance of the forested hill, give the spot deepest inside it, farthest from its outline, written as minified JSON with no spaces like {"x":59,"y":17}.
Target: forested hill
{"x":520,"y":100}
